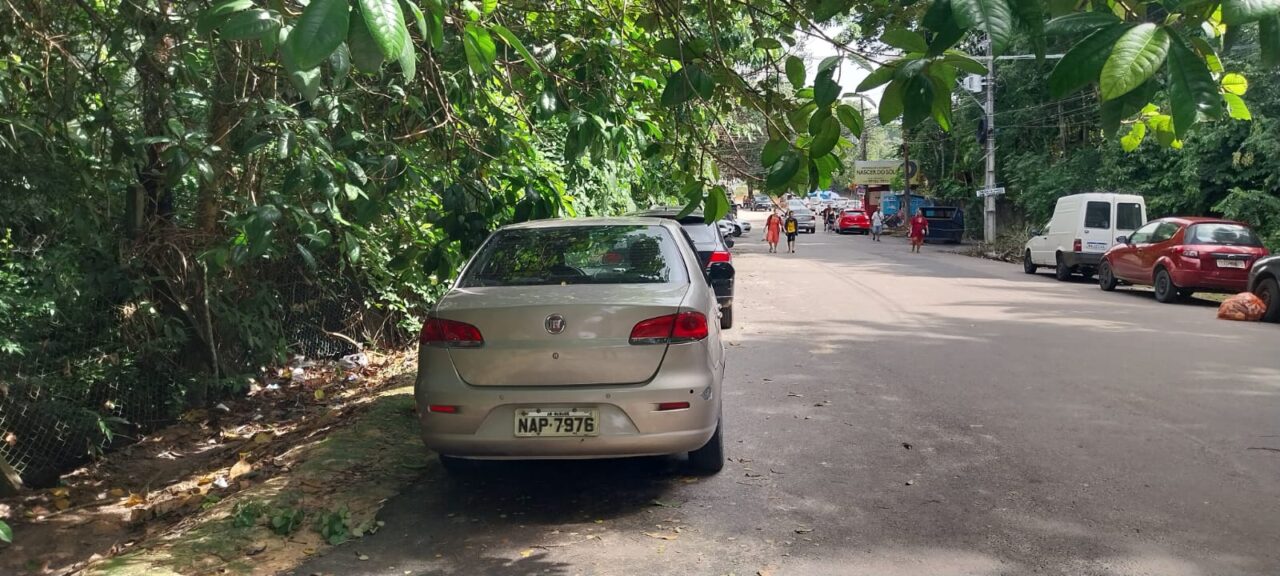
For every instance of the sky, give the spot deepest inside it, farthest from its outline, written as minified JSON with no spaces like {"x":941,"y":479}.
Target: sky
{"x":850,"y":75}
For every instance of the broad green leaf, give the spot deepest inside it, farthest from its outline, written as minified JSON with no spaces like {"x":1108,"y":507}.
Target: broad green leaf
{"x":717,"y":205}
{"x":249,"y":24}
{"x":817,"y":122}
{"x":1135,"y":58}
{"x":1191,"y":88}
{"x":669,"y":47}
{"x":340,"y":65}
{"x":1235,"y":84}
{"x":321,"y":28}
{"x":1236,"y":107}
{"x":1207,"y":52}
{"x":479,"y":47}
{"x":799,"y":117}
{"x":1130,"y":141}
{"x":419,"y":19}
{"x":408,"y":61}
{"x":917,"y":101}
{"x":693,"y":192}
{"x":435,"y":20}
{"x":365,"y":53}
{"x":851,"y":118}
{"x":795,"y":72}
{"x":547,"y":102}
{"x":1080,"y":23}
{"x":781,"y":175}
{"x":488,"y":6}
{"x":1245,"y":11}
{"x":684,"y":84}
{"x":830,"y":63}
{"x":826,"y":138}
{"x":1112,"y":112}
{"x":1269,"y":39}
{"x":6,"y":533}
{"x":514,"y":42}
{"x":1162,"y":125}
{"x":991,"y":16}
{"x":904,"y":39}
{"x":825,"y":89}
{"x":766,"y":44}
{"x":703,"y":83}
{"x":879,"y":77}
{"x":941,"y":108}
{"x":773,"y":151}
{"x":965,"y":63}
{"x":891,"y":101}
{"x":218,"y":13}
{"x":1083,"y":63}
{"x":946,"y":31}
{"x":307,"y":82}
{"x":385,"y":21}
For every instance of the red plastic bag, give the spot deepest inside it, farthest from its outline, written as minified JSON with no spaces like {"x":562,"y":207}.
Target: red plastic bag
{"x":1243,"y":306}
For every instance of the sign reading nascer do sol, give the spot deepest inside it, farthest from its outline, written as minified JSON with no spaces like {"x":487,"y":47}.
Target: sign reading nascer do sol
{"x":882,"y":172}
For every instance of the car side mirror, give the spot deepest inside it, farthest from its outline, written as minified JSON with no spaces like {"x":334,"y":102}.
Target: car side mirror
{"x":1122,"y":240}
{"x":1035,"y":232}
{"x":719,"y":271}
{"x":728,"y":240}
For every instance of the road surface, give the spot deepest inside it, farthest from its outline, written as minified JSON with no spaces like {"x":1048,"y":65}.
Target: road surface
{"x":892,"y":413}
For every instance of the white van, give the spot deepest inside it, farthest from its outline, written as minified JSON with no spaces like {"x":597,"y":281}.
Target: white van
{"x":1083,"y":227}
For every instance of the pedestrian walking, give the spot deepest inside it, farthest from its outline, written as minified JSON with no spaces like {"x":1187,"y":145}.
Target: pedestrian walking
{"x":919,"y":227}
{"x":773,"y":231}
{"x":792,"y":228}
{"x":831,"y":219}
{"x":877,"y":224}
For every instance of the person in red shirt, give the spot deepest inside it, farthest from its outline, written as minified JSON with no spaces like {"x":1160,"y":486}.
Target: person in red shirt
{"x":919,"y":227}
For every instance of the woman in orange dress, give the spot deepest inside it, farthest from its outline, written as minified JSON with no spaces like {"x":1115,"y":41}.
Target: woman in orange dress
{"x":773,"y":231}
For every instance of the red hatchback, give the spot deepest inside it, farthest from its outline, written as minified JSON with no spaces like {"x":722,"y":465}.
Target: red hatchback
{"x":1179,"y":256}
{"x":854,"y":221}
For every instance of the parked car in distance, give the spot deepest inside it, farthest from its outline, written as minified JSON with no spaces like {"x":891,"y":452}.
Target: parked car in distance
{"x":712,"y":248}
{"x":853,"y":221}
{"x":759,"y":202}
{"x":1180,"y":256}
{"x":1083,"y":227}
{"x":590,"y":338}
{"x":1264,"y":281}
{"x":736,"y":226}
{"x":805,"y":220}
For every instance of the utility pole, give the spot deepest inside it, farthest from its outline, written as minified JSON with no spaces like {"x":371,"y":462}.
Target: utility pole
{"x":989,"y":202}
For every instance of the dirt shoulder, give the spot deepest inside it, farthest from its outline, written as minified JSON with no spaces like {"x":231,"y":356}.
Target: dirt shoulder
{"x":254,"y":487}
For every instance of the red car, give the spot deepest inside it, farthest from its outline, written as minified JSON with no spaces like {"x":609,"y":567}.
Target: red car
{"x":854,"y":221}
{"x":1179,"y":256}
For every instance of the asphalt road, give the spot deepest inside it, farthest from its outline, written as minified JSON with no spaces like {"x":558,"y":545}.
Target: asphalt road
{"x":892,"y":413}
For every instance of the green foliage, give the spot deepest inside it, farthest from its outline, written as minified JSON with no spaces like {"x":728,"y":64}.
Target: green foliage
{"x":335,"y":526}
{"x":246,"y":513}
{"x":6,"y":533}
{"x":287,"y":520}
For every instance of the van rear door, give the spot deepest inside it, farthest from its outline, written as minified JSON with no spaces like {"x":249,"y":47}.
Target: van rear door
{"x":1097,"y":234}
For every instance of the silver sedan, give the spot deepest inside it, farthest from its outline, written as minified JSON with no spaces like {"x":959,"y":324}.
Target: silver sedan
{"x":590,"y":338}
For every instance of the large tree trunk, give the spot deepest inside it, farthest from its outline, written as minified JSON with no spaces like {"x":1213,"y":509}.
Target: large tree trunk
{"x":153,"y":87}
{"x":222,"y":116}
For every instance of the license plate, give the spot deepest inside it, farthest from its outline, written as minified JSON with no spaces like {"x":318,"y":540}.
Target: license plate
{"x":1096,"y":246}
{"x":552,"y":422}
{"x":1231,"y":263}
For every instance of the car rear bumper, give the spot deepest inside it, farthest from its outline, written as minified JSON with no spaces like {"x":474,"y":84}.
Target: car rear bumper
{"x":1218,"y":282}
{"x":629,"y":421}
{"x":1082,"y":259}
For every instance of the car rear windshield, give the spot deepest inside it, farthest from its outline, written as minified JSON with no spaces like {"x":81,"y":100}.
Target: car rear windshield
{"x":938,"y":212}
{"x":853,"y":212}
{"x":577,"y":255}
{"x":1222,"y":234}
{"x":702,"y":233}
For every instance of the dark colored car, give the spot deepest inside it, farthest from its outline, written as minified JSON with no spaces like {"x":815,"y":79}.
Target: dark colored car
{"x":1180,"y":256}
{"x":853,"y":221}
{"x":712,"y":251}
{"x":759,"y":202}
{"x":946,"y":224}
{"x":1264,"y":280}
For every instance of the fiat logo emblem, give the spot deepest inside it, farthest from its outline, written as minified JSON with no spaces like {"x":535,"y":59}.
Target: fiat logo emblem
{"x":554,"y":324}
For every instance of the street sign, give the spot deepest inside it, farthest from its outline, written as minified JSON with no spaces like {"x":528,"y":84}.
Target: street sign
{"x":990,"y":192}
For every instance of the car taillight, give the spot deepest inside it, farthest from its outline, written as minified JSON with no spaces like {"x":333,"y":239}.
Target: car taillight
{"x":721,"y":256}
{"x":1184,"y":252}
{"x":1077,"y":246}
{"x":670,"y":329}
{"x":665,"y":406}
{"x":442,"y":409}
{"x":450,"y":334}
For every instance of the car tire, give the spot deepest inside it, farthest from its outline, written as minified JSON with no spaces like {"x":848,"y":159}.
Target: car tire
{"x":737,"y":231}
{"x":1166,"y":291}
{"x":1106,"y":277}
{"x":1062,"y":272}
{"x":726,"y":318}
{"x":1028,"y":266}
{"x":709,"y":459}
{"x":1268,"y":289}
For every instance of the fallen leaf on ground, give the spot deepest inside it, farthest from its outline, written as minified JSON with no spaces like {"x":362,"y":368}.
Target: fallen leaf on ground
{"x":526,"y":553}
{"x":117,"y":493}
{"x":59,"y":492}
{"x":661,"y":536}
{"x":803,"y":530}
{"x":753,"y":474}
{"x":61,"y":503}
{"x":263,"y":437}
{"x":204,"y":480}
{"x":240,"y":468}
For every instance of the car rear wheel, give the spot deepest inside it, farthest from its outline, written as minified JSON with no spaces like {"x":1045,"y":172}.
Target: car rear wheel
{"x":1106,"y":278}
{"x":1268,"y":290}
{"x":1165,"y":289}
{"x":709,"y":459}
{"x":726,"y":318}
{"x":1027,"y":265}
{"x":1063,"y":271}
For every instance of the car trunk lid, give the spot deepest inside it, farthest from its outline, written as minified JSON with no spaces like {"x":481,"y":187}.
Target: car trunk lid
{"x":592,"y":348}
